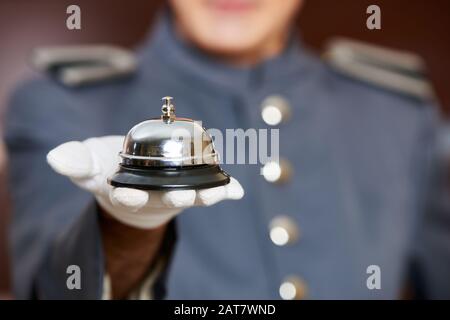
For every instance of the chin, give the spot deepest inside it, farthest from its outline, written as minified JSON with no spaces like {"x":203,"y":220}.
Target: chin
{"x":228,"y":45}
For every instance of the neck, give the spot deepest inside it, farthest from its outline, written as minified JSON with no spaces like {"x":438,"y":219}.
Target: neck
{"x":266,"y":50}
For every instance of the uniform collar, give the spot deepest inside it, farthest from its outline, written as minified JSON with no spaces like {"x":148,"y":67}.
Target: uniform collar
{"x":166,"y":46}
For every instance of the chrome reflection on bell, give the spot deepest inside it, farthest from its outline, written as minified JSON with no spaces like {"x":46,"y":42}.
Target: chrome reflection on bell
{"x":168,"y":142}
{"x":169,"y":153}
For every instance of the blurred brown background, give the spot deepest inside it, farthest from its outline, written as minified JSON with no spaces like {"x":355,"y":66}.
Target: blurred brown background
{"x":415,"y":25}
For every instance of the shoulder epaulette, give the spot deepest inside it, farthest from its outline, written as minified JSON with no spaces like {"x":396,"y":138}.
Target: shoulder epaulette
{"x":82,"y":64}
{"x":390,"y":69}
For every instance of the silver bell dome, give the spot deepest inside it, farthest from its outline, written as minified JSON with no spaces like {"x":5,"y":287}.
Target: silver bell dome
{"x":168,"y":142}
{"x":161,"y":153}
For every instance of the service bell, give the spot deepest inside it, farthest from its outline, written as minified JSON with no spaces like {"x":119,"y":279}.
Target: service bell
{"x":169,"y":153}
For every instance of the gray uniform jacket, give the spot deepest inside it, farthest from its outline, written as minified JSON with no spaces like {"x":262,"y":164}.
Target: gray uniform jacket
{"x":366,"y":186}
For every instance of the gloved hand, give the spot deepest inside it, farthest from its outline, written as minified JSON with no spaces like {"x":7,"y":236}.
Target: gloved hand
{"x":89,"y":163}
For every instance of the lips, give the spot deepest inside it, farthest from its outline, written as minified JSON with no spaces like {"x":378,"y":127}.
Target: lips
{"x":233,"y":6}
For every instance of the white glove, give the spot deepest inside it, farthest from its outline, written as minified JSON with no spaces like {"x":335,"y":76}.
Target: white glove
{"x":89,"y":163}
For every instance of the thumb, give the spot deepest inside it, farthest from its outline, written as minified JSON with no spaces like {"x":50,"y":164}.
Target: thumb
{"x":72,"y":159}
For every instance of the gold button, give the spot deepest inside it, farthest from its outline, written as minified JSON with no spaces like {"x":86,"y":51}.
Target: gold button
{"x":275,"y":109}
{"x":283,"y":231}
{"x":277,"y":172}
{"x":293,"y":288}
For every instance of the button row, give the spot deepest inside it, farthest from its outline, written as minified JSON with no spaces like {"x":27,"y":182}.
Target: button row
{"x":282,"y":229}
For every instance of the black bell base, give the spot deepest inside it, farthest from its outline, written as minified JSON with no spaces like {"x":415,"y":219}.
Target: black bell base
{"x":194,"y":177}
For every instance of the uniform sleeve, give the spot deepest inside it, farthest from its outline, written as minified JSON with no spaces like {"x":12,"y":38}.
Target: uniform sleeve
{"x":54,"y":224}
{"x":431,"y":244}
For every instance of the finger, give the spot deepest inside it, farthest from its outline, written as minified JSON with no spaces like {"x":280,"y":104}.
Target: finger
{"x":234,"y":190}
{"x":132,"y":199}
{"x":72,"y":159}
{"x":91,"y":184}
{"x":208,"y":197}
{"x":105,"y":153}
{"x":179,"y":198}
